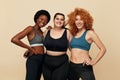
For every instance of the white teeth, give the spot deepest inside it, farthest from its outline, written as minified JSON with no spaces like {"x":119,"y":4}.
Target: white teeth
{"x":79,"y":24}
{"x":59,"y":23}
{"x":41,"y":24}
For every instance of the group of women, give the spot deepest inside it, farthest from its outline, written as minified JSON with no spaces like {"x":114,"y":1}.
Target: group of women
{"x":47,"y":52}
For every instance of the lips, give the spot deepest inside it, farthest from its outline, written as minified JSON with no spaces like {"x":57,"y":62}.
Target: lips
{"x":58,"y":23}
{"x":79,"y":25}
{"x":41,"y":24}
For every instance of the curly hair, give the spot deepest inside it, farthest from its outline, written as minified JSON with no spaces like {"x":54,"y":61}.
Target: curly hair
{"x":85,"y":16}
{"x":41,"y":12}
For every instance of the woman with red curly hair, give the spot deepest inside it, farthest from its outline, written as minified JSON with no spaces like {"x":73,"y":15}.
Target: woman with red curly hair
{"x":81,"y":64}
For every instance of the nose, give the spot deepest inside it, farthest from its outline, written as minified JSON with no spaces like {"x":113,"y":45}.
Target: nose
{"x":44,"y":22}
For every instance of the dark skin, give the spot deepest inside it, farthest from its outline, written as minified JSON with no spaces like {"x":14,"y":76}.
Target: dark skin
{"x":29,"y":32}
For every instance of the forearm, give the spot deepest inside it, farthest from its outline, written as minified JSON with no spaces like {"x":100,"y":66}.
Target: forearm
{"x":99,"y":56}
{"x":21,"y":44}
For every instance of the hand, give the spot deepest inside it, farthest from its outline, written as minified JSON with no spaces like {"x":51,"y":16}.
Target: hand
{"x":92,"y":63}
{"x":26,"y":54}
{"x":89,"y":62}
{"x":49,"y":27}
{"x":32,"y":51}
{"x":86,"y":62}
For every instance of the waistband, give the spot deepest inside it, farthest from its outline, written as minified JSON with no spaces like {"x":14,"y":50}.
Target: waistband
{"x":33,"y":45}
{"x":80,"y":64}
{"x":57,"y":55}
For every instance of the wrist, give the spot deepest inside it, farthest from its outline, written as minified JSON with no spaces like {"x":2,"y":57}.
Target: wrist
{"x":29,"y":48}
{"x":93,"y":62}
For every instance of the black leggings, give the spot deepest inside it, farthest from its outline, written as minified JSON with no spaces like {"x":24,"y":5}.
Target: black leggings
{"x":55,"y":67}
{"x":34,"y":65}
{"x":77,"y":71}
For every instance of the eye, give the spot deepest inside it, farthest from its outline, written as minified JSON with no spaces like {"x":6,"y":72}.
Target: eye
{"x":57,"y":18}
{"x":62,"y":19}
{"x":45,"y":21}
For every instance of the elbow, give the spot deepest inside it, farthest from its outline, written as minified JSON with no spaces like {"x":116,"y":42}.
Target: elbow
{"x":104,"y":50}
{"x":14,"y":40}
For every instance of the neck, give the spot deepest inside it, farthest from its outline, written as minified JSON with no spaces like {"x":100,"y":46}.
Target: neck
{"x":37,"y":28}
{"x":57,"y":28}
{"x":81,"y":30}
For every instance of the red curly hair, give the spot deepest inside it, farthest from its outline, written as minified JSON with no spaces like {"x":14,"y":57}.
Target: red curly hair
{"x":85,"y":16}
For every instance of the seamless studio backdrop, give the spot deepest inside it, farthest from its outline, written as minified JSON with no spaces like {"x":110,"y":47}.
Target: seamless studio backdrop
{"x":15,"y":15}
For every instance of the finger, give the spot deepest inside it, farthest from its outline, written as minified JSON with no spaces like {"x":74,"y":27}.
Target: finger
{"x":84,"y":62}
{"x":87,"y":63}
{"x":36,"y":53}
{"x":31,"y":53}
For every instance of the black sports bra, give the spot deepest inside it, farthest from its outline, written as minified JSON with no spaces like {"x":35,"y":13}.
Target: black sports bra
{"x":60,"y":44}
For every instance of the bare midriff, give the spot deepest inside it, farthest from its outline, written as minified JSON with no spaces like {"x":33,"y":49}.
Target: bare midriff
{"x":79,"y":55}
{"x":39,"y":49}
{"x":55,"y":53}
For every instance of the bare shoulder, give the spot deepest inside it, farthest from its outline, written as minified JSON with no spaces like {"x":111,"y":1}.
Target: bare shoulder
{"x":26,"y":31}
{"x":23,"y":33}
{"x":69,"y":35}
{"x":68,"y":32}
{"x":91,"y":33}
{"x":29,"y":28}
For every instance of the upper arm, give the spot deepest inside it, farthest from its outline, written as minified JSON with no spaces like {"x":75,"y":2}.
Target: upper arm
{"x":23,"y":33}
{"x":69,"y":36}
{"x":96,"y":40}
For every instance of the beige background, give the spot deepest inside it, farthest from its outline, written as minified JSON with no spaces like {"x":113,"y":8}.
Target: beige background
{"x":15,"y":15}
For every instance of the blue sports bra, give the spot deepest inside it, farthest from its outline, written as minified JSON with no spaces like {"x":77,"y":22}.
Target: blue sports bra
{"x":80,"y":42}
{"x":37,"y":40}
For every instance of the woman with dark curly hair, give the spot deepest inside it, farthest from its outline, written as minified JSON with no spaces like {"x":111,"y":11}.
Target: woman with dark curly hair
{"x":35,"y":52}
{"x":81,"y":64}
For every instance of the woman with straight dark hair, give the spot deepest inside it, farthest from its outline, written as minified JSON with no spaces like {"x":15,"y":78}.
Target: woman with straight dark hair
{"x":56,"y":41}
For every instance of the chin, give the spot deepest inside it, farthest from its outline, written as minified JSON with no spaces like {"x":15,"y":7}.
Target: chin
{"x":79,"y":27}
{"x":40,"y":26}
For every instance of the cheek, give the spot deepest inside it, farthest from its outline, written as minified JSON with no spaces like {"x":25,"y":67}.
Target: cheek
{"x":63,"y":22}
{"x":38,"y":20}
{"x":55,"y":21}
{"x":46,"y":20}
{"x":76,"y":22}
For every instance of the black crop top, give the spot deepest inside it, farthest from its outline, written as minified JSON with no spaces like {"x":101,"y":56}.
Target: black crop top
{"x":60,"y":44}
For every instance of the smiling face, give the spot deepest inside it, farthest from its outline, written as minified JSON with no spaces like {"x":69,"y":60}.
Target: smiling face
{"x":79,"y":22}
{"x":42,"y":20}
{"x":59,"y":20}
